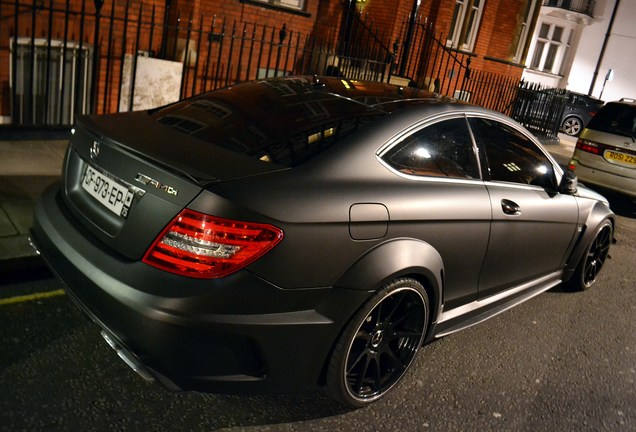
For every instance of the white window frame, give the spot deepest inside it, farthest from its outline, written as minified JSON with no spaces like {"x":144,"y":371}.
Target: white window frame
{"x":465,"y":26}
{"x":524,"y":32}
{"x":289,"y":4}
{"x":70,"y":72}
{"x":543,"y":45}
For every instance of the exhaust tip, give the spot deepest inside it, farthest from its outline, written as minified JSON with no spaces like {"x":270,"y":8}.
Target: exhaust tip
{"x":128,"y":358}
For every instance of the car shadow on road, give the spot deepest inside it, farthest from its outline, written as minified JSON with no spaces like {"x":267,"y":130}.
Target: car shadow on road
{"x":281,"y":408}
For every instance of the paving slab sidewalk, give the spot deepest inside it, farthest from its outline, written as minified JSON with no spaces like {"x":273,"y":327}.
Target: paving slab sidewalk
{"x":27,"y":168}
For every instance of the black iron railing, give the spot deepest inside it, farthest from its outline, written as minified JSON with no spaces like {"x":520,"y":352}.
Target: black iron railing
{"x":539,"y":109}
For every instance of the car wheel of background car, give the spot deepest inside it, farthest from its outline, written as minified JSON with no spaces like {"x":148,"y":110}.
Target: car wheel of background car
{"x":572,"y":126}
{"x":593,"y":259}
{"x":379,"y":343}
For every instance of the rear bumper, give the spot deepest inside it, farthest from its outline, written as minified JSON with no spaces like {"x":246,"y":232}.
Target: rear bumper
{"x":238,"y":334}
{"x":609,"y":180}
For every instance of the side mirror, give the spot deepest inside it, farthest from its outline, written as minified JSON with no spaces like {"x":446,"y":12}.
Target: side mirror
{"x":569,"y":183}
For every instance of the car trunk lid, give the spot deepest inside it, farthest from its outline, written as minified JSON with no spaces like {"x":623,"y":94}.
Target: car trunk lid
{"x":617,"y":151}
{"x":125,"y":178}
{"x":201,"y":161}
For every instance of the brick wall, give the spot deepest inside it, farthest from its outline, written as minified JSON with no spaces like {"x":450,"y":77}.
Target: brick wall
{"x":494,"y":47}
{"x":254,"y":13}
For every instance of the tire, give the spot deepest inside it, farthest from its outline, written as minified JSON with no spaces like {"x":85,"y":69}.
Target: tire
{"x":593,"y":259}
{"x":379,"y":343}
{"x":572,"y":126}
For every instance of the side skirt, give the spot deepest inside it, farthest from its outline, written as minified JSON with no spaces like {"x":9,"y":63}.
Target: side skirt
{"x":473,"y":313}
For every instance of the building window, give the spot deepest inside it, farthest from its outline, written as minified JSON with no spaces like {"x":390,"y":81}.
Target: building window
{"x":523,"y":30}
{"x":551,"y":48}
{"x":291,"y":4}
{"x":50,"y":83}
{"x":566,"y":50}
{"x":465,"y":24}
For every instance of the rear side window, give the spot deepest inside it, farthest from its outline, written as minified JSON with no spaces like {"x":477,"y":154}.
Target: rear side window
{"x":512,"y":157}
{"x":443,"y":149}
{"x":615,"y":118}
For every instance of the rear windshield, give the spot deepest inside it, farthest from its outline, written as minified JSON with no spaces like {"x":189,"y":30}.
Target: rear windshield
{"x":615,"y":118}
{"x":285,"y":122}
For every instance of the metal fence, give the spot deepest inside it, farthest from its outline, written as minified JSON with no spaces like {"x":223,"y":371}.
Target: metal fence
{"x":61,"y":60}
{"x":539,"y":109}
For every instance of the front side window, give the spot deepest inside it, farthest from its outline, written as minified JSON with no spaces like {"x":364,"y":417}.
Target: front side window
{"x":511,"y":156}
{"x":443,"y":149}
{"x":465,"y":24}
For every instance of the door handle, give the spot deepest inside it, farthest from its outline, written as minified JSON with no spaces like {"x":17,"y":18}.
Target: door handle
{"x":510,"y":207}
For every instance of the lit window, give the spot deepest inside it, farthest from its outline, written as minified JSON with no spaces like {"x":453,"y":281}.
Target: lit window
{"x":465,"y":24}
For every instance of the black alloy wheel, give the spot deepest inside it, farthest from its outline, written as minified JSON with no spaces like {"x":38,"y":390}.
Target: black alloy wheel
{"x":592,"y":261}
{"x":379,"y":344}
{"x":572,"y":126}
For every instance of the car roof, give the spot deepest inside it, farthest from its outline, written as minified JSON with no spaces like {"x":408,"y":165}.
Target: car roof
{"x":586,"y":96}
{"x":627,"y":101}
{"x":251,"y":118}
{"x":300,"y":99}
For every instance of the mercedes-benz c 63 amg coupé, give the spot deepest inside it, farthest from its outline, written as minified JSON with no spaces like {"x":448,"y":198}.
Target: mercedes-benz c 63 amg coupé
{"x":298,"y":233}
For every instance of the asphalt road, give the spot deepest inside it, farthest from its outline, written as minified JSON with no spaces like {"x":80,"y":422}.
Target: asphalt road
{"x":560,"y":362}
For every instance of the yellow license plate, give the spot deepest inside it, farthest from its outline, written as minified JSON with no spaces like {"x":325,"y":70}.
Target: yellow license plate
{"x":621,"y":158}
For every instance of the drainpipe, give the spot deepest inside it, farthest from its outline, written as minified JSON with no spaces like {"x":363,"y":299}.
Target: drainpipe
{"x":406,"y":45}
{"x":602,"y":54}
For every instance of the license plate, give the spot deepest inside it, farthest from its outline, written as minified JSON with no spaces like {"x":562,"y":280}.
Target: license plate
{"x":621,"y":158}
{"x":108,"y":191}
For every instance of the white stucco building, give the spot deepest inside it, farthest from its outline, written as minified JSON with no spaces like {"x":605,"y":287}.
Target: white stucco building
{"x":577,"y":42}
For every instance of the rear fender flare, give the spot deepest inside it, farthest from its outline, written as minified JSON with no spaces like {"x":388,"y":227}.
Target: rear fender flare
{"x":395,"y":258}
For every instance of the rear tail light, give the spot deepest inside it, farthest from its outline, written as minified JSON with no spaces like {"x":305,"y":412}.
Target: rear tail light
{"x":199,"y":245}
{"x":589,"y":146}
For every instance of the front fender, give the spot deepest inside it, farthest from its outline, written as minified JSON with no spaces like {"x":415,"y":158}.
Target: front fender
{"x":395,"y":258}
{"x":596,"y":213}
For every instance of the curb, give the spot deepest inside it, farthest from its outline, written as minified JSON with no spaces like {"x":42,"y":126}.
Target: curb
{"x":17,"y":253}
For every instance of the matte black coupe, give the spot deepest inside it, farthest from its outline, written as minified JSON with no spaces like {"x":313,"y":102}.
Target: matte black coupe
{"x":294,"y":233}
